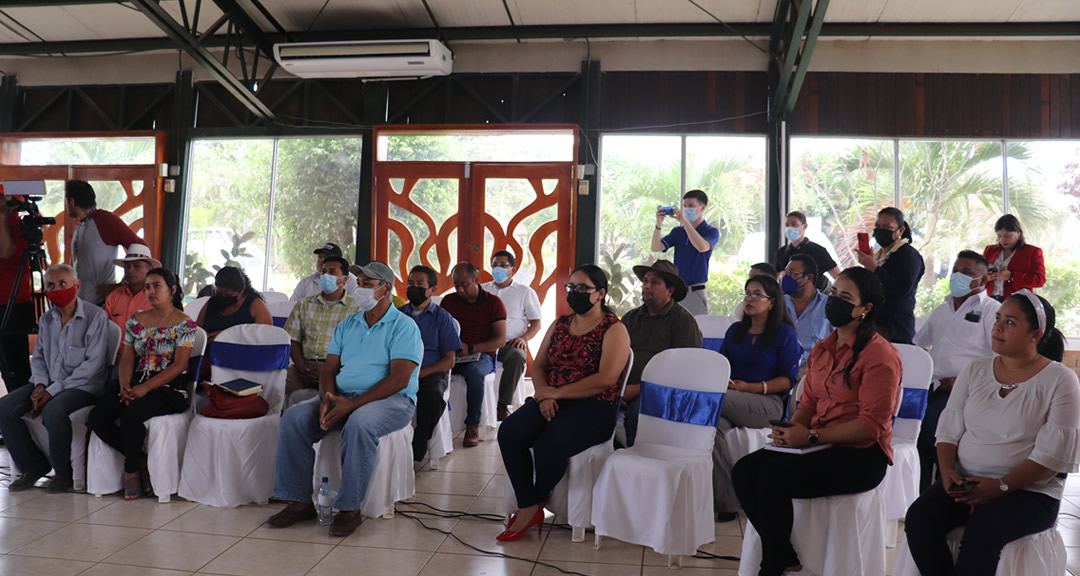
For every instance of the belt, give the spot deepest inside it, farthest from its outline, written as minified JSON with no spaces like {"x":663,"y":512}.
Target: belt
{"x":697,"y":287}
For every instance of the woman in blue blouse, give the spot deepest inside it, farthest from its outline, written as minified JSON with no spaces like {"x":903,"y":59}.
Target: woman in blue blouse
{"x":764,"y":353}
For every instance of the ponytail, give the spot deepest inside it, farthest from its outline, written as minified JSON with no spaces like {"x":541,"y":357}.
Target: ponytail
{"x":1052,"y":344}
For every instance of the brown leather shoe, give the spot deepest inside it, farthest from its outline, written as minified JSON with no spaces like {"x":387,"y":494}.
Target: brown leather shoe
{"x":293,"y":513}
{"x":346,"y":522}
{"x":502,"y":412}
{"x":472,"y":436}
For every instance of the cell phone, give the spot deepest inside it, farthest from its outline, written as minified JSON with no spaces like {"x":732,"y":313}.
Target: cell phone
{"x":992,"y":269}
{"x":666,"y":210}
{"x":864,"y":243}
{"x":780,"y":423}
{"x":959,"y":489}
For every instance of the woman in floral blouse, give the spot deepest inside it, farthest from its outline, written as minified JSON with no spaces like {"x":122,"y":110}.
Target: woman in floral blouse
{"x":153,"y":380}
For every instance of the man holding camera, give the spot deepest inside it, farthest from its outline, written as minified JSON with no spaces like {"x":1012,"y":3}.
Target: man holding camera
{"x":14,"y":336}
{"x":693,"y":241}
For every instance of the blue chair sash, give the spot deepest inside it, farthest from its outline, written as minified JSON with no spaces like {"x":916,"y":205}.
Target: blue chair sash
{"x":254,"y":357}
{"x":913,"y":404}
{"x":280,"y":321}
{"x":678,"y":405}
{"x":713,"y":344}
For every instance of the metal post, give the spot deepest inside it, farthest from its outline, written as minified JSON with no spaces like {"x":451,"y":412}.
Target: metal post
{"x":173,"y":239}
{"x":270,"y":218}
{"x":1005,"y":173}
{"x":587,"y":219}
{"x":896,"y":173}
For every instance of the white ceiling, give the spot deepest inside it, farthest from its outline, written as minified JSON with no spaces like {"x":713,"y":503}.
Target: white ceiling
{"x":104,"y":21}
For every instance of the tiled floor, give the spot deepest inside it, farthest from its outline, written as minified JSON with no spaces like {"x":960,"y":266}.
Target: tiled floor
{"x":62,"y":535}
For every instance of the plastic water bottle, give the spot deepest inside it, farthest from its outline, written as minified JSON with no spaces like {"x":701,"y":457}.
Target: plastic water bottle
{"x":326,"y":502}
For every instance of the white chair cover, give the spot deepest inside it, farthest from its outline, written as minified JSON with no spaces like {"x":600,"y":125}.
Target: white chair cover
{"x":573,"y":495}
{"x":195,"y":306}
{"x":231,"y":462}
{"x":519,"y":390}
{"x":271,"y":297}
{"x":166,"y":437}
{"x":442,"y":439}
{"x":834,"y":536}
{"x":392,"y":480}
{"x":713,"y":328}
{"x":1042,"y":553}
{"x":658,"y":493}
{"x":459,"y":403}
{"x":280,"y":311}
{"x":900,"y":487}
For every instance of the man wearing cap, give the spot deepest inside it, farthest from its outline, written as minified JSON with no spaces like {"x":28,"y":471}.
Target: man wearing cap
{"x":367,"y":389}
{"x":309,"y":285}
{"x":129,"y":296}
{"x":658,"y":324}
{"x":398,"y":301}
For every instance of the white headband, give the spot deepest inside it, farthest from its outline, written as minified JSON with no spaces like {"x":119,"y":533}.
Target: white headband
{"x":1040,"y":312}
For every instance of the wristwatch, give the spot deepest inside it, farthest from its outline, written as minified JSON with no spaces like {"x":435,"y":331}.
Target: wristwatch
{"x":1002,"y":485}
{"x":813,"y":439}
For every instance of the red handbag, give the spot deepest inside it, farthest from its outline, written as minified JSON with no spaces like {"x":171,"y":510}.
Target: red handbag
{"x":229,"y":406}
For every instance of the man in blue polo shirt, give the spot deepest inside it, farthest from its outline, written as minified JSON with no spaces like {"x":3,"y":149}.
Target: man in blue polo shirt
{"x":367,"y":389}
{"x":805,"y":303}
{"x":441,"y":344}
{"x":693,"y":242}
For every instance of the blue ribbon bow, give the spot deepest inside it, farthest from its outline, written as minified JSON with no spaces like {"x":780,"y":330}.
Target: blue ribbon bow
{"x":679,"y":405}
{"x":279,"y":321}
{"x":913,"y":404}
{"x":713,"y":344}
{"x":254,"y":357}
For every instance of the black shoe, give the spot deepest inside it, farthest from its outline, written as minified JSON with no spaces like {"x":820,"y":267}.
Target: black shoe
{"x":60,"y":484}
{"x":726,"y":516}
{"x":25,"y":481}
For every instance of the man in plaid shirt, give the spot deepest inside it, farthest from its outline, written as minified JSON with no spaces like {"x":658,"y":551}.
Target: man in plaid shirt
{"x":312,"y":322}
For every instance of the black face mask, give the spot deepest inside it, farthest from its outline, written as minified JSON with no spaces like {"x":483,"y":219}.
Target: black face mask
{"x":838,"y":312}
{"x":884,"y":237}
{"x":579,"y":302}
{"x":222,"y":300}
{"x":416,"y":295}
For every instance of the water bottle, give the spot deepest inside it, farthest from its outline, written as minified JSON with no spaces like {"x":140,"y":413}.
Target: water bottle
{"x":326,"y":502}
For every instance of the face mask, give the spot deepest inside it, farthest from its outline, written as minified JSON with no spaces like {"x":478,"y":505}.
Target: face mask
{"x":792,"y":234}
{"x":500,"y":274}
{"x":838,"y":312}
{"x":220,"y":301}
{"x":579,"y":302}
{"x":365,"y":298}
{"x":416,"y":295}
{"x":960,"y":284}
{"x":328,"y":283}
{"x":789,"y":285}
{"x":883,"y":237}
{"x":61,"y":298}
{"x":690,"y":214}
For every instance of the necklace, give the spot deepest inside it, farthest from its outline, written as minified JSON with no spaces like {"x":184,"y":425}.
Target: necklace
{"x":1009,"y":386}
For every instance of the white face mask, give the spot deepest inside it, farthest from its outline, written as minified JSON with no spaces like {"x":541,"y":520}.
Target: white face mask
{"x":365,"y":298}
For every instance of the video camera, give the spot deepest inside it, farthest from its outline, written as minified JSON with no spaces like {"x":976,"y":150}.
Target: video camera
{"x":22,"y":197}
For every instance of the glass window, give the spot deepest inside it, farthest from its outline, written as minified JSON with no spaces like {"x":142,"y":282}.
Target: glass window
{"x":521,"y":146}
{"x":1044,"y":193}
{"x":951,"y":193}
{"x":86,"y":151}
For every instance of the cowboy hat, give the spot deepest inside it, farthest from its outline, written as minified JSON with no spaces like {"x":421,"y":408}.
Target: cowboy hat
{"x":670,"y":274}
{"x":138,"y":252}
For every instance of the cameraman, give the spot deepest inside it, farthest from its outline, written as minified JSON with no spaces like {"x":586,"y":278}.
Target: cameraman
{"x":14,"y":338}
{"x":97,"y":235}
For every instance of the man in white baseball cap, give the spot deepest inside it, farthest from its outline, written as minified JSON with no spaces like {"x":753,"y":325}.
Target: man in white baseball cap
{"x":129,"y":296}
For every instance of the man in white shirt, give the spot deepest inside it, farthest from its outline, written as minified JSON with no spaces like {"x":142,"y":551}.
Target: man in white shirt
{"x":522,"y":324}
{"x":309,"y":285}
{"x":956,"y":333}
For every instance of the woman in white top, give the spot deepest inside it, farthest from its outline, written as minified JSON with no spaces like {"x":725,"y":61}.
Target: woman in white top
{"x":1008,"y":436}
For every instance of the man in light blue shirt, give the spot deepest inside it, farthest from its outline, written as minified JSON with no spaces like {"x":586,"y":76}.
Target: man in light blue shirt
{"x":805,"y":303}
{"x":67,"y":373}
{"x":367,"y":389}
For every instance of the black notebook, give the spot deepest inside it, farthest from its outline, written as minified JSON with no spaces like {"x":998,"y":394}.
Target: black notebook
{"x":239,"y":387}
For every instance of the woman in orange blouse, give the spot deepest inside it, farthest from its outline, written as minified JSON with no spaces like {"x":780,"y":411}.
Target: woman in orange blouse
{"x":848,"y":400}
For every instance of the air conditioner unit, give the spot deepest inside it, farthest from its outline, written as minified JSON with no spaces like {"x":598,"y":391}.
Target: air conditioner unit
{"x":365,"y":59}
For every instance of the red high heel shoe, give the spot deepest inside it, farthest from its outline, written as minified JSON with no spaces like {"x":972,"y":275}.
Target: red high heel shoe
{"x":509,"y":535}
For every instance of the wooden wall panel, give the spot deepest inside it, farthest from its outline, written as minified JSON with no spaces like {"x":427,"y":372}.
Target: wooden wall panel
{"x":650,"y":102}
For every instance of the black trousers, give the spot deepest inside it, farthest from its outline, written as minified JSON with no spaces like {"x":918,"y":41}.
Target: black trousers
{"x":578,"y":425}
{"x":429,"y":408}
{"x":17,"y":346}
{"x":927,"y":441}
{"x":766,"y":481}
{"x":987,"y":529}
{"x":128,"y":436}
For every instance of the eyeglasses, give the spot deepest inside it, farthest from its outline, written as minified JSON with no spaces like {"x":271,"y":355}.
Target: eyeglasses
{"x":756,"y":296}
{"x":580,"y":288}
{"x":795,"y":275}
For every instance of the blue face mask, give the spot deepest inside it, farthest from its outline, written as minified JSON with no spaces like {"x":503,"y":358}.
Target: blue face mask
{"x":960,"y":284}
{"x":789,"y":285}
{"x":500,"y":274}
{"x":328,"y":283}
{"x":691,"y":214}
{"x":791,"y":233}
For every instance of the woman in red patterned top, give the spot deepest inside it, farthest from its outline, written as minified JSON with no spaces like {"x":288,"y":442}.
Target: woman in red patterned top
{"x":576,"y":375}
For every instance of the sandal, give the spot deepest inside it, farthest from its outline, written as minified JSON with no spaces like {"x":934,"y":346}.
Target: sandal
{"x":132,"y":486}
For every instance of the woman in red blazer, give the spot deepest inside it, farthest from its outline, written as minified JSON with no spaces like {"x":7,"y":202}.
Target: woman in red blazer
{"x":1018,"y":264}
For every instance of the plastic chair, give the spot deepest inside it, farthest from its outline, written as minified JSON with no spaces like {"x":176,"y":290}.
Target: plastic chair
{"x":713,"y":328}
{"x":900,"y":487}
{"x":280,"y":311}
{"x":459,"y":395}
{"x":392,"y":479}
{"x":231,"y":462}
{"x":166,"y":438}
{"x":1040,"y":553}
{"x":573,"y":495}
{"x":271,"y":297}
{"x":79,"y":429}
{"x":196,"y":306}
{"x":658,"y":493}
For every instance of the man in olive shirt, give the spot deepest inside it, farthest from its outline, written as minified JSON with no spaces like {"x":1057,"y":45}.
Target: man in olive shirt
{"x":657,"y":325}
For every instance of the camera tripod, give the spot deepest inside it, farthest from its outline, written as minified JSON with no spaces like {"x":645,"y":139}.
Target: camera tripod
{"x":33,"y":260}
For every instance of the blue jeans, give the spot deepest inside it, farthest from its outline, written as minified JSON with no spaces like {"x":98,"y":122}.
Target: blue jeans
{"x":359,"y":440}
{"x":474,"y":373}
{"x":55,"y":415}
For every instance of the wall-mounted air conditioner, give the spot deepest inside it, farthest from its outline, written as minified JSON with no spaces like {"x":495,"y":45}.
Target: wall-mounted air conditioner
{"x":365,"y":59}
